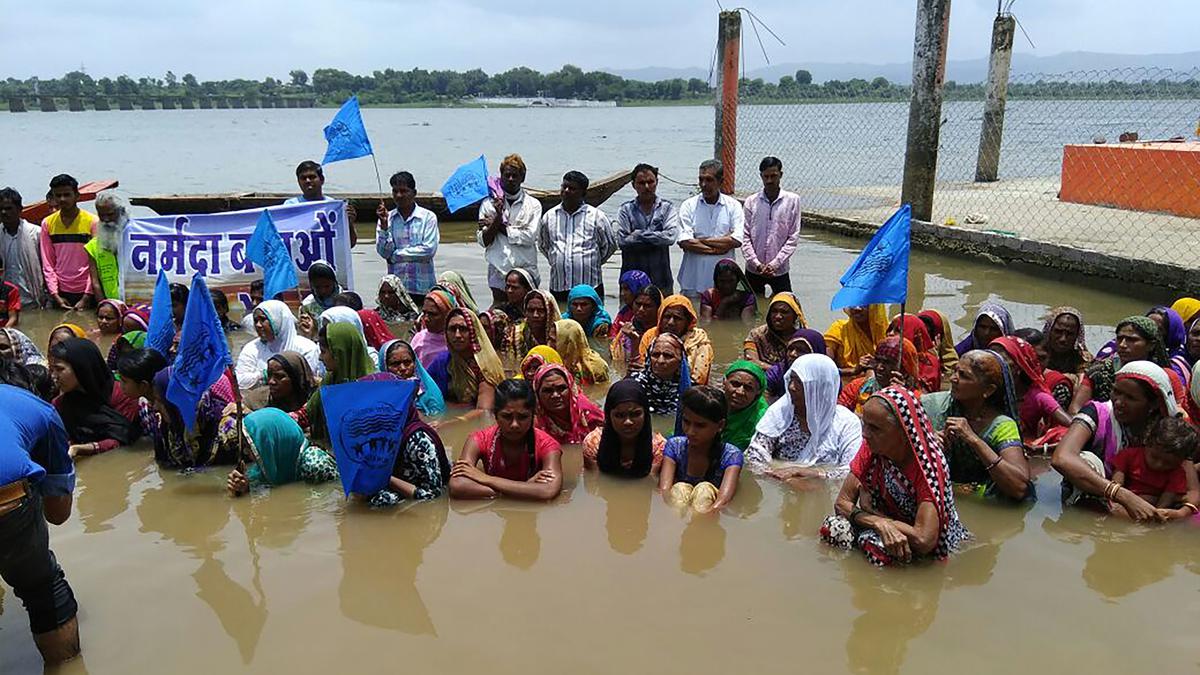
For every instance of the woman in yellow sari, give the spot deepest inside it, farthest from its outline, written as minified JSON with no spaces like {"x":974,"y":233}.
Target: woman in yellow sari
{"x":578,"y":357}
{"x":850,"y":342}
{"x":678,"y":317}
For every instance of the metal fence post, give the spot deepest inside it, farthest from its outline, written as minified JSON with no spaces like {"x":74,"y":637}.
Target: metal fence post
{"x":925,"y":107}
{"x":987,"y":164}
{"x":729,"y":38}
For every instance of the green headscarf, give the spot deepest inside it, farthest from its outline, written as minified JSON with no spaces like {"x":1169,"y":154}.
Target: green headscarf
{"x":277,"y":442}
{"x":1149,"y":330}
{"x":352,"y":361}
{"x":135,"y":338}
{"x":739,"y":426}
{"x":459,"y":288}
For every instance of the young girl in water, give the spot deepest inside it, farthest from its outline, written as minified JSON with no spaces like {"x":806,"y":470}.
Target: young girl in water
{"x":1155,"y":473}
{"x":699,"y":468}
{"x":510,"y":458}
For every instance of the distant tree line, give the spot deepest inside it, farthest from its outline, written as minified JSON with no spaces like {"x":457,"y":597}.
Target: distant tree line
{"x":416,"y":86}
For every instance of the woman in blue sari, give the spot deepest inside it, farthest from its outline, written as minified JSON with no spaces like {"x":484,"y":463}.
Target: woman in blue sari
{"x":585,"y":306}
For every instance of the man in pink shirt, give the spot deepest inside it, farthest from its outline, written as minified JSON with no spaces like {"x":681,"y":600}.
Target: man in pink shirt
{"x":772,"y":230}
{"x":65,"y":233}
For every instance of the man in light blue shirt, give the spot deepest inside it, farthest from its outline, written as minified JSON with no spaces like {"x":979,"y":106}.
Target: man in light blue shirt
{"x":311,"y":178}
{"x":407,"y":237}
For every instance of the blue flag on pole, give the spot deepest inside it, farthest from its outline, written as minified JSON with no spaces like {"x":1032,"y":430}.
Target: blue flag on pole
{"x":366,"y":424}
{"x":203,"y":353}
{"x":467,"y":185}
{"x":267,"y":250}
{"x":880,"y":274}
{"x":346,"y":135}
{"x":160,"y":332}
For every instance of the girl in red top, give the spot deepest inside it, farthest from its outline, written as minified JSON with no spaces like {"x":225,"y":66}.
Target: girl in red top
{"x":1156,"y":472}
{"x":509,"y":458}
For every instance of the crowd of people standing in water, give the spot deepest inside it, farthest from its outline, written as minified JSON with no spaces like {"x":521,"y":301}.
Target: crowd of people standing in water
{"x":905,"y":417}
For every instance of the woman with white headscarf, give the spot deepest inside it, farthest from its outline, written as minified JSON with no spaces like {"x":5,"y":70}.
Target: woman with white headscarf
{"x":276,"y":328}
{"x":806,"y":428}
{"x":347,"y":315}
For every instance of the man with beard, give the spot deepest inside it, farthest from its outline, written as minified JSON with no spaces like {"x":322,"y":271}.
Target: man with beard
{"x":102,"y":249}
{"x":19,"y":250}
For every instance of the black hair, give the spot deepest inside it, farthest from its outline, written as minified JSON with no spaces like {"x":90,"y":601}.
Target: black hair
{"x":650,"y":291}
{"x":220,"y":300}
{"x":577,"y":179}
{"x":141,"y":365}
{"x":16,"y":375}
{"x":309,"y":165}
{"x":348,"y":299}
{"x":524,"y":278}
{"x":10,"y":195}
{"x":715,"y":166}
{"x":258,"y":285}
{"x":608,"y":456}
{"x":179,"y":293}
{"x":63,"y":180}
{"x":711,"y":404}
{"x":41,"y":382}
{"x":510,"y":391}
{"x":1174,"y":436}
{"x":768,"y":162}
{"x":643,"y":167}
{"x":403,"y":178}
{"x":1033,"y":336}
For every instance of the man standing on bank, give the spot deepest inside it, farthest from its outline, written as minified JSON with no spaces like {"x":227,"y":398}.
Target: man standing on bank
{"x":64,"y":235}
{"x":508,"y":227}
{"x":311,"y":179}
{"x":710,"y":226}
{"x":647,"y":227}
{"x":772,"y":231}
{"x":37,"y":478}
{"x":576,"y":238}
{"x":407,"y":237}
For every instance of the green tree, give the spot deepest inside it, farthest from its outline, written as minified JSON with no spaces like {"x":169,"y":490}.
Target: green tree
{"x":299,"y":78}
{"x":803,"y":77}
{"x":171,"y":80}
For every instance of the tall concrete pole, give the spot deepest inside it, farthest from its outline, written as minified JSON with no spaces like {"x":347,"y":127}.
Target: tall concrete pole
{"x":729,"y":42}
{"x":925,"y":107}
{"x":987,"y":164}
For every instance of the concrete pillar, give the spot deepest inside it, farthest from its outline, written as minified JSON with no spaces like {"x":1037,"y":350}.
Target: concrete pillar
{"x":125,"y":103}
{"x":148,"y":103}
{"x":292,"y":103}
{"x":101,"y":103}
{"x":238,"y":102}
{"x":17,"y":104}
{"x":222,"y":101}
{"x":729,"y":42}
{"x":925,"y":107}
{"x":987,"y":163}
{"x":187,"y":103}
{"x":206,"y":103}
{"x":251,"y":102}
{"x":308,"y":103}
{"x":48,"y":104}
{"x":168,"y":103}
{"x":75,"y":104}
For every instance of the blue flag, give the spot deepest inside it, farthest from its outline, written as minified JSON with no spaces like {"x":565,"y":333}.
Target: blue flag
{"x":203,"y":353}
{"x":467,"y":185}
{"x":266,"y":248}
{"x":366,"y":424}
{"x":881,"y":272}
{"x":346,"y":135}
{"x":160,"y":333}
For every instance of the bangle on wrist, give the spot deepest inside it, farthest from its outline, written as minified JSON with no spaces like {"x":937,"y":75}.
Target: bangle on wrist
{"x":995,"y":463}
{"x":1192,"y":507}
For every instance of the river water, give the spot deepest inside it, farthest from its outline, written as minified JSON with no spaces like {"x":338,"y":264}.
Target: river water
{"x":174,"y":576}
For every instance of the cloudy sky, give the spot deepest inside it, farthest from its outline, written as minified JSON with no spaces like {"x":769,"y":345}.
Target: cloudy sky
{"x":224,"y":38}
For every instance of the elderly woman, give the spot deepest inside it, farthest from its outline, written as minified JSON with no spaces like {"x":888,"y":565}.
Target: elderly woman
{"x":745,"y":384}
{"x":730,"y":298}
{"x":766,"y":345}
{"x":276,"y":329}
{"x":803,"y":341}
{"x":929,"y":365}
{"x":806,"y":434}
{"x":895,"y":362}
{"x":517,"y":284}
{"x":978,"y":421}
{"x":1141,"y":396}
{"x":897,"y":504}
{"x":627,"y":445}
{"x":991,"y":321}
{"x":398,"y":358}
{"x":580,"y":359}
{"x":393,"y":303}
{"x":665,"y":376}
{"x":562,"y":411}
{"x":1137,"y":339}
{"x":1066,"y":346}
{"x":469,"y":370}
{"x":677,"y":317}
{"x":585,"y":306}
{"x":851,"y":342}
{"x":541,"y":311}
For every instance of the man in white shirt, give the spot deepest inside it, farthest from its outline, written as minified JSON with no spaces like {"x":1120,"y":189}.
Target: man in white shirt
{"x":510,"y":238}
{"x":710,"y":228}
{"x":19,"y":251}
{"x":576,"y":238}
{"x":311,"y":179}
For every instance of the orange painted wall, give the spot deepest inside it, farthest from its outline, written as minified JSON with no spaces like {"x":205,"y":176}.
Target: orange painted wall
{"x":1162,"y":177}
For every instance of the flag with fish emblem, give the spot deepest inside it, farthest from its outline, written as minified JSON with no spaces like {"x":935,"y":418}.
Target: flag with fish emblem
{"x":267,"y":250}
{"x":346,"y":136}
{"x":203,"y":353}
{"x":880,"y":274}
{"x":366,"y":425}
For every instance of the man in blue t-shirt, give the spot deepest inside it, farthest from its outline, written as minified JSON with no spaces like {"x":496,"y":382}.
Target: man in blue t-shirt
{"x":311,"y":179}
{"x":37,"y":479}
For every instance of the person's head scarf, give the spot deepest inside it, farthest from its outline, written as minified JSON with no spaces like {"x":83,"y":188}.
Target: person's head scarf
{"x":929,"y":365}
{"x":1188,"y":309}
{"x":496,"y":324}
{"x":87,"y":411}
{"x":538,"y":357}
{"x":572,"y":345}
{"x":915,"y":330}
{"x":739,"y":424}
{"x":74,"y":329}
{"x":300,"y":373}
{"x":1000,"y":374}
{"x":581,"y":414}
{"x":275,"y":442}
{"x":635,"y":281}
{"x":375,"y":330}
{"x":1064,"y":310}
{"x":608,"y":455}
{"x":671,"y":301}
{"x":941,"y":332}
{"x":323,"y":270}
{"x":1176,"y":332}
{"x":730,"y":265}
{"x":599,"y":317}
{"x":813,"y":338}
{"x":664,"y":394}
{"x":283,"y":325}
{"x":407,"y":309}
{"x":349,"y":353}
{"x":24,"y":351}
{"x":1025,"y":357}
{"x":341,"y":315}
{"x":790,"y":300}
{"x":485,"y":358}
{"x":926,"y":446}
{"x":1146,"y":327}
{"x":138,"y":315}
{"x":135,"y":339}
{"x":855,"y":342}
{"x":460,"y":288}
{"x":1154,"y":376}
{"x":530,"y":282}
{"x":119,"y":307}
{"x":822,"y":382}
{"x":429,"y":397}
{"x":994,"y":311}
{"x":900,"y":352}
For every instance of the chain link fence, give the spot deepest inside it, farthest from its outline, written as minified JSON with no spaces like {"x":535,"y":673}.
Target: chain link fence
{"x":1098,"y":160}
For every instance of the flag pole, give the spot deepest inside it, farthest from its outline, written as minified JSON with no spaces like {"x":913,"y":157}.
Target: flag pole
{"x":237,"y":399}
{"x":378,"y":180}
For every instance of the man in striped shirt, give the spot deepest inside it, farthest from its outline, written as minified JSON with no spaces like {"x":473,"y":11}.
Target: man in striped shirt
{"x":576,"y":238}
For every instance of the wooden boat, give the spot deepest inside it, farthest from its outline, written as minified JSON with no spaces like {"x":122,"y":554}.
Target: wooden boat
{"x":35,"y":212}
{"x":598,"y":192}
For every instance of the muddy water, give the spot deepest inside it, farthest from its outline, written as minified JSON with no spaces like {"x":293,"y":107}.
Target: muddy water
{"x":173,"y":576}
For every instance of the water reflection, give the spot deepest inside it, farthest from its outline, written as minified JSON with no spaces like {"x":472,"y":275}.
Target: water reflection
{"x":804,"y":503}
{"x":188,"y":514}
{"x":897,"y":606}
{"x":520,"y":543}
{"x":242,"y":614}
{"x":626,"y":509}
{"x":1118,"y":564}
{"x":381,"y":552}
{"x":701,"y":544}
{"x":974,"y":565}
{"x":748,"y":497}
{"x":100,"y":501}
